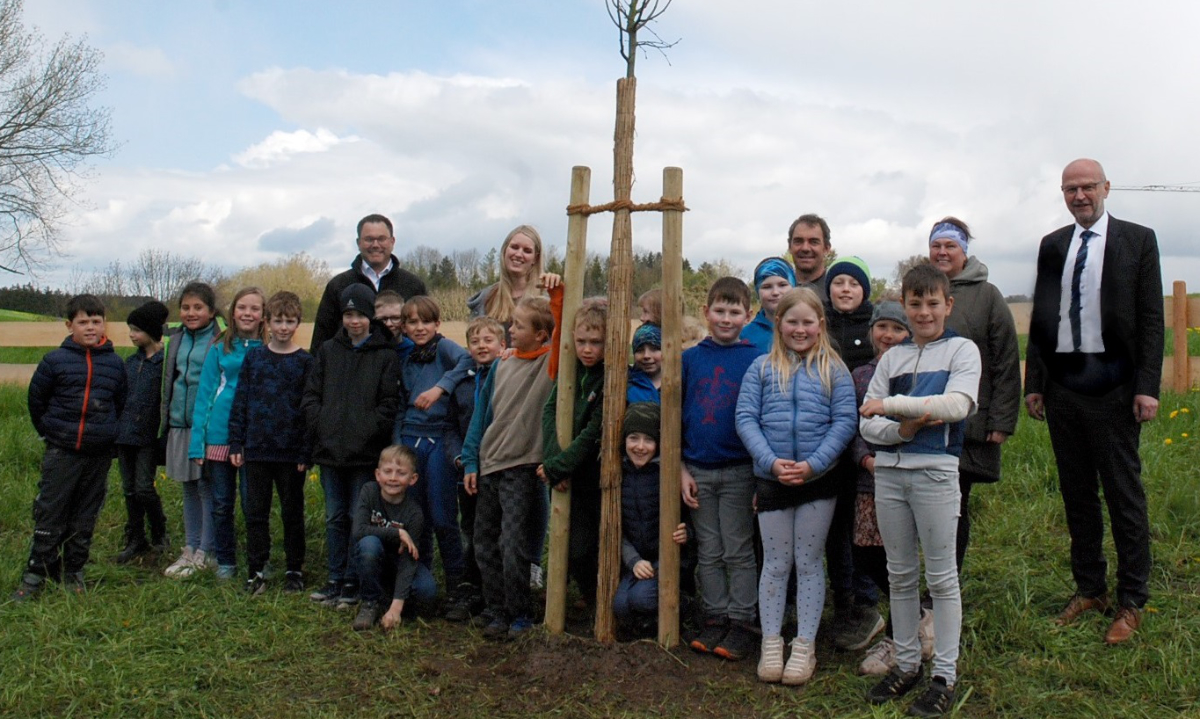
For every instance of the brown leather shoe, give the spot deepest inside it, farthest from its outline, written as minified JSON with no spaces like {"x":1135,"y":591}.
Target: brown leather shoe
{"x":1078,"y":605}
{"x":1127,"y":621}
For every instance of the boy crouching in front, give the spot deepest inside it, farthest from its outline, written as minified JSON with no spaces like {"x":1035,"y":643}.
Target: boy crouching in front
{"x":387,"y":528}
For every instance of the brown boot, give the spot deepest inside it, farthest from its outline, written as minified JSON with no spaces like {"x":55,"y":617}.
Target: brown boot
{"x":1078,"y":605}
{"x":1124,"y":625}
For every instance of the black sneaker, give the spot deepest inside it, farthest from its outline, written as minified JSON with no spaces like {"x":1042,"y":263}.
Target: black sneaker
{"x":293,"y":582}
{"x":483,"y":619}
{"x":497,"y":630}
{"x":160,"y":545}
{"x":330,"y":592}
{"x":739,"y":642}
{"x":30,"y":587}
{"x":935,"y":701}
{"x":895,"y":685}
{"x":367,"y":615}
{"x":860,"y":627}
{"x":715,"y":629}
{"x":256,"y":584}
{"x":73,"y":583}
{"x":348,"y":597}
{"x":134,"y":548}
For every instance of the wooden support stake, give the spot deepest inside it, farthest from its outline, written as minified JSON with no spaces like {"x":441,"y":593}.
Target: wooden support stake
{"x":1183,"y":381}
{"x":616,"y":372}
{"x":560,"y":502}
{"x":672,"y":405}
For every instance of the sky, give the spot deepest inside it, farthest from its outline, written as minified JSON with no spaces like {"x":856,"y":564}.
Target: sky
{"x":251,"y":130}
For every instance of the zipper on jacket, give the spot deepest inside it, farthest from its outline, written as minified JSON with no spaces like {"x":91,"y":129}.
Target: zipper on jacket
{"x":87,"y":395}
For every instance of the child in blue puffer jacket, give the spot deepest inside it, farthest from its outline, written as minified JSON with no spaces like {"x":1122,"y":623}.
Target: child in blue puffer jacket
{"x":796,"y":413}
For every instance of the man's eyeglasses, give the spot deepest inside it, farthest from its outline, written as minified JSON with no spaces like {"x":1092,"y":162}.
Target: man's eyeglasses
{"x":1087,"y":189}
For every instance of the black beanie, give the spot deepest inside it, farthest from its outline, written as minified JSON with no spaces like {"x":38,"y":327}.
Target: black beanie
{"x":642,"y":417}
{"x":360,"y":298}
{"x":149,"y":318}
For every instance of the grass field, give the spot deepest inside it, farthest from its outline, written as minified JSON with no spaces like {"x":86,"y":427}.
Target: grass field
{"x":15,"y":316}
{"x":140,"y":645}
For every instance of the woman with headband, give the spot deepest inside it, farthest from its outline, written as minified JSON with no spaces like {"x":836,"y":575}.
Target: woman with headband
{"x":981,"y":315}
{"x":773,"y":277}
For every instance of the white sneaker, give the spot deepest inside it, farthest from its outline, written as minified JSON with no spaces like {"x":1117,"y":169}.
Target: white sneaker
{"x":770,"y":659}
{"x":880,"y":659}
{"x":203,"y":560}
{"x":182,"y":567}
{"x":926,"y":634}
{"x":802,"y":663}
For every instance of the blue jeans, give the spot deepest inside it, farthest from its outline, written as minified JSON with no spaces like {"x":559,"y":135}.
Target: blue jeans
{"x":222,"y":477}
{"x":921,"y":505}
{"x":379,"y":570}
{"x":197,"y":514}
{"x":436,"y":491}
{"x":728,"y":571}
{"x":636,"y":596}
{"x":342,"y":486}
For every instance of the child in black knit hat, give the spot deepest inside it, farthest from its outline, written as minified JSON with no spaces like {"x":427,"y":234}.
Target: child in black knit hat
{"x":137,"y":438}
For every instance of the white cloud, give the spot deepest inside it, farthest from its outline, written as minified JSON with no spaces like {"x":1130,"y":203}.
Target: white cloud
{"x":883,"y":117}
{"x":279,"y":146}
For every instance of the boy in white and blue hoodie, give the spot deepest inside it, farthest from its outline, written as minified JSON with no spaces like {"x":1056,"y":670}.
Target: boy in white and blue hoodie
{"x":429,"y":373}
{"x":718,"y":474}
{"x":914,"y":417}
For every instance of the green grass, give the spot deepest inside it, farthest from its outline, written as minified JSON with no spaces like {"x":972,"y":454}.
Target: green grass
{"x":33,"y":355}
{"x":17,"y":316}
{"x":140,"y":645}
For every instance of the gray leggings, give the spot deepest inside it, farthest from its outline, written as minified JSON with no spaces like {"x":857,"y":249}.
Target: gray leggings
{"x":794,"y":535}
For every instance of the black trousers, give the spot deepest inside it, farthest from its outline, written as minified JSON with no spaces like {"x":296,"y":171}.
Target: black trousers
{"x":1095,"y":442}
{"x":263,"y":478}
{"x":69,"y":499}
{"x":142,"y":503}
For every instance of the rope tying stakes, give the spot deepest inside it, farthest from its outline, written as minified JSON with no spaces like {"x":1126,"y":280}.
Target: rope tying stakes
{"x":663,"y":205}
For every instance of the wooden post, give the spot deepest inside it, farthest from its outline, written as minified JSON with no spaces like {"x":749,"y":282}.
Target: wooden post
{"x":560,"y":502}
{"x":616,"y":373}
{"x":672,"y":405}
{"x":1179,"y":305}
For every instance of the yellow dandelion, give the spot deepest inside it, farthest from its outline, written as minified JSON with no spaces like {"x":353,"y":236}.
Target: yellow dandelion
{"x":1167,"y":440}
{"x":1151,"y":610}
{"x":1174,"y":414}
{"x":1185,"y":410}
{"x":1184,"y":434}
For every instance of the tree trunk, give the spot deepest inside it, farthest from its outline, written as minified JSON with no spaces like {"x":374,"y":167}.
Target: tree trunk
{"x":672,"y":407}
{"x":616,"y":349}
{"x":560,"y":502}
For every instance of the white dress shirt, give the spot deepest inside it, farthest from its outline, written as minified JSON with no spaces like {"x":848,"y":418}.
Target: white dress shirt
{"x":1091,"y":339}
{"x":369,"y":272}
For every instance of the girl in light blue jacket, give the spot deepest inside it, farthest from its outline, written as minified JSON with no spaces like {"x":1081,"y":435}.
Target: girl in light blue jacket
{"x":796,"y":413}
{"x":209,"y":445}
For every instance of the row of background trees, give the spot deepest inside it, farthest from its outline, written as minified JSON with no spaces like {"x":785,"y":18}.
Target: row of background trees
{"x":450,"y":278}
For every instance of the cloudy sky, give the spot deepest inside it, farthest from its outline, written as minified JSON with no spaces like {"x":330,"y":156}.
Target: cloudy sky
{"x":250,"y":130}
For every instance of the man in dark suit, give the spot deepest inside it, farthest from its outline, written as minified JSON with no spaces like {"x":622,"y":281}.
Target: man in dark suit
{"x":1093,"y":369}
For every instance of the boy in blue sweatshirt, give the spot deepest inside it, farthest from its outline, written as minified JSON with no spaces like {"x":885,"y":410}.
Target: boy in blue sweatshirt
{"x":75,"y":399}
{"x":718,"y":474}
{"x":267,"y":436}
{"x":429,"y":374}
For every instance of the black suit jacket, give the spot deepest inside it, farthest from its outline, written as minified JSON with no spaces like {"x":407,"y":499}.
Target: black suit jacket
{"x":1131,"y":304}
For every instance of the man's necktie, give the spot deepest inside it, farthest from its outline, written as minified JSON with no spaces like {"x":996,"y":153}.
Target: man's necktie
{"x":1073,"y":313}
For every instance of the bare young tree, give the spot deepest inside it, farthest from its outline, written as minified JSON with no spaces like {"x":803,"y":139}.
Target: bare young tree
{"x":48,"y":132}
{"x":633,"y":16}
{"x":162,"y":274}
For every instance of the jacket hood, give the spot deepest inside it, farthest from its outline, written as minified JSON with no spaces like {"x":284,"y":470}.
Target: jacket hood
{"x":476,"y":302}
{"x":973,"y":272}
{"x":947,"y":333}
{"x":862,"y":313}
